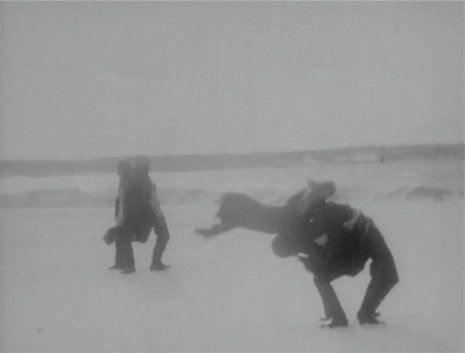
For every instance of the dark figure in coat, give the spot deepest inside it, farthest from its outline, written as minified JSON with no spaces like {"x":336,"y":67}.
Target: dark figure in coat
{"x":337,"y":241}
{"x":332,"y":240}
{"x":137,"y":212}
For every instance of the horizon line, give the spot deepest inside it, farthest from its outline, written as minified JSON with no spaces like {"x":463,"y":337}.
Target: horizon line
{"x":237,"y":154}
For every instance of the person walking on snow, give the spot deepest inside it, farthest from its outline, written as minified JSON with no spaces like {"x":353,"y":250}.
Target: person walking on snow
{"x":137,"y":212}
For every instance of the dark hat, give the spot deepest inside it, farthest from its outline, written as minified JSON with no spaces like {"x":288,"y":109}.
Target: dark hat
{"x":141,"y":163}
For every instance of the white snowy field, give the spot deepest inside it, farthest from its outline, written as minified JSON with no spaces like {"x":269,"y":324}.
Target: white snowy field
{"x":230,"y":293}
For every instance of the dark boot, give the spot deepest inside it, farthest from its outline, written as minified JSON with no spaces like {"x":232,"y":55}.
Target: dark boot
{"x":383,"y":276}
{"x":157,"y":264}
{"x":365,"y":318}
{"x":375,"y":294}
{"x":337,"y":322}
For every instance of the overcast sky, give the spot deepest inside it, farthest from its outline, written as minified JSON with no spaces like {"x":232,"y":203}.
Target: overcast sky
{"x":94,"y":79}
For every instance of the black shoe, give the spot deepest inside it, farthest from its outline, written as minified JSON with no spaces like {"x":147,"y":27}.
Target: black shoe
{"x":128,"y":270}
{"x":159,"y":267}
{"x":364,"y":318}
{"x":337,"y":322}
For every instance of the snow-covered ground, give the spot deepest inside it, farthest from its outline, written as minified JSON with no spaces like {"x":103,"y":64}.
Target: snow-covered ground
{"x":230,"y":293}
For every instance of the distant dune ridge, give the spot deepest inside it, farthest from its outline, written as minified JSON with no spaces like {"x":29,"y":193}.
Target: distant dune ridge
{"x":435,"y":181}
{"x":173,"y":196}
{"x":433,"y":173}
{"x":178,"y":163}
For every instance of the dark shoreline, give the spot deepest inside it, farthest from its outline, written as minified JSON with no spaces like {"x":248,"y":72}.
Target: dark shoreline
{"x":180,"y":163}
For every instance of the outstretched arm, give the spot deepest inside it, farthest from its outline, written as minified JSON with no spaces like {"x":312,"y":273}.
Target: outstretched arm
{"x":215,"y":230}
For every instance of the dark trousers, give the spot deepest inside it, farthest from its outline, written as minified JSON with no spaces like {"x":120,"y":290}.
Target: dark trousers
{"x":383,"y":270}
{"x":163,"y":236}
{"x":124,"y":256}
{"x":369,"y":244}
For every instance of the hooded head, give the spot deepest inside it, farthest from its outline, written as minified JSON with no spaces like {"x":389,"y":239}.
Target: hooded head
{"x":141,"y":163}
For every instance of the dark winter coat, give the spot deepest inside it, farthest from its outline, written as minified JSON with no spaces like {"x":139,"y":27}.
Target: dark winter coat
{"x":331,"y":248}
{"x":137,"y":209}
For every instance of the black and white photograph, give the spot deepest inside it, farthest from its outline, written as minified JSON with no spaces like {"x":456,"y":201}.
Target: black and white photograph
{"x":232,"y":176}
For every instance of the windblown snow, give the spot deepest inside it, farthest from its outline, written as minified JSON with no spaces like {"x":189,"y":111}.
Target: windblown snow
{"x":228,"y":294}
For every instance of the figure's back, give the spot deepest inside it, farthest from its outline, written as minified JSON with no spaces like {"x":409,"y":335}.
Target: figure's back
{"x":319,"y":219}
{"x":322,"y":233}
{"x":137,"y":200}
{"x":323,"y":217}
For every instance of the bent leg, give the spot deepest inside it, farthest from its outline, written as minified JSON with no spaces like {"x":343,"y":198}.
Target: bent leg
{"x":332,"y":306}
{"x":113,"y":235}
{"x":118,"y":256}
{"x":124,"y":253}
{"x":128,"y":258}
{"x":383,"y":274}
{"x":163,"y":236}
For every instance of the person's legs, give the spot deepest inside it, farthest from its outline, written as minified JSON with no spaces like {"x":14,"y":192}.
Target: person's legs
{"x":383,"y":276}
{"x":119,"y":265}
{"x":332,"y":307}
{"x":112,"y":235}
{"x":124,"y":258}
{"x":163,"y":236}
{"x":127,"y":255}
